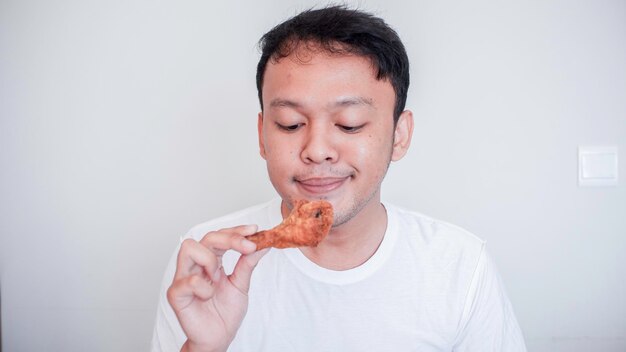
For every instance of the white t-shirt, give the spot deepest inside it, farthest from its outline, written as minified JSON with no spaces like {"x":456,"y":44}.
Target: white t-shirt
{"x":430,"y":286}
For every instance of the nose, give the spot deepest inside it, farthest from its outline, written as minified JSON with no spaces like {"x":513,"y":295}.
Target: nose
{"x":319,"y":147}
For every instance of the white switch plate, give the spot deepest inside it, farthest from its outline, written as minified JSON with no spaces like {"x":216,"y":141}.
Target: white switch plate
{"x":597,"y":166}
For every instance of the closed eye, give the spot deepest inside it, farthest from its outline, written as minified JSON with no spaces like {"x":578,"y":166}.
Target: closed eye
{"x":290,"y":128}
{"x":350,"y":129}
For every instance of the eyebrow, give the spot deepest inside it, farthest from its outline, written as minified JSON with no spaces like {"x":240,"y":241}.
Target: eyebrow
{"x":353,"y":100}
{"x":279,"y":102}
{"x":340,"y":102}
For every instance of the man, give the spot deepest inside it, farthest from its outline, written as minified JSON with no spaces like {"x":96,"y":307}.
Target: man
{"x":332,"y":85}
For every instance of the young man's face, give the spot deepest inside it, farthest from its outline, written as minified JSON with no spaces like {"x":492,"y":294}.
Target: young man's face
{"x":327,"y":130}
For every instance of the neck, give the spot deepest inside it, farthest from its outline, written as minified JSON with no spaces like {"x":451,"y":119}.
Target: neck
{"x":353,"y":242}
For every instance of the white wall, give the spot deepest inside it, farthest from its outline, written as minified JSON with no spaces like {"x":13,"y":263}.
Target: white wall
{"x":124,"y":123}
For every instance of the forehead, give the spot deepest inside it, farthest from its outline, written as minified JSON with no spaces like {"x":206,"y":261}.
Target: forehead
{"x":304,"y":52}
{"x":311,"y":73}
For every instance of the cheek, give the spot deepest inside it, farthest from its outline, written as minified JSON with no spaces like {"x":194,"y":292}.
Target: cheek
{"x":292,"y":154}
{"x":363,"y":153}
{"x":372,"y":149}
{"x":277,"y":152}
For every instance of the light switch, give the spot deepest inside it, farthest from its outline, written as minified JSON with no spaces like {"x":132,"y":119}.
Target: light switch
{"x":597,"y":166}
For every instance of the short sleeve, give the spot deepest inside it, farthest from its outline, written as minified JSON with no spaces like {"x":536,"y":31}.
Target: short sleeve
{"x":168,"y":335}
{"x":488,"y":323}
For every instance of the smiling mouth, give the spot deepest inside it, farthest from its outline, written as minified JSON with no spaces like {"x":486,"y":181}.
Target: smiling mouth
{"x":318,"y":185}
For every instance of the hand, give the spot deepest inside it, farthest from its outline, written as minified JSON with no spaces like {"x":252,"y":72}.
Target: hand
{"x":209,"y":304}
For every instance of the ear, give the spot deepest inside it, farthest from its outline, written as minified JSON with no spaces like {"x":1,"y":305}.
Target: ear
{"x":402,"y":135}
{"x":260,"y":131}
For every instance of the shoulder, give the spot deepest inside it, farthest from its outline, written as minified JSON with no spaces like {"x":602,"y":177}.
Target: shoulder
{"x":431,"y":230}
{"x":261,"y":214}
{"x":437,"y":240}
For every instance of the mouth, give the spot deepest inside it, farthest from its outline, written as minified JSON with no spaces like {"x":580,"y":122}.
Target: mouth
{"x":320,"y":185}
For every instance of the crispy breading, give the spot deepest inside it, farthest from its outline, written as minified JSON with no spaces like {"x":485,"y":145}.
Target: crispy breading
{"x":306,"y":226}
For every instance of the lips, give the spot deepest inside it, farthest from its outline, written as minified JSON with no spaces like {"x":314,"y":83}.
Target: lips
{"x":320,"y":185}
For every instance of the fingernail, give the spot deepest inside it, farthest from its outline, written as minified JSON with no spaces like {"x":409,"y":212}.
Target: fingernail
{"x":248,"y":245}
{"x":251,"y":228}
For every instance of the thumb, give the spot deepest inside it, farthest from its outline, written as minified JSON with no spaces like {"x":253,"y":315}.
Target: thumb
{"x":243,"y":269}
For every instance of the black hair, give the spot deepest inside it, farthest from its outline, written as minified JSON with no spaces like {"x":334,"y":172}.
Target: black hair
{"x":339,"y":29}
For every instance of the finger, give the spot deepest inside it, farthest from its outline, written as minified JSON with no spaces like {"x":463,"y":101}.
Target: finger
{"x":201,"y":286}
{"x":243,"y":230}
{"x":242,"y":273}
{"x":184,"y":291}
{"x":231,"y":238}
{"x":193,"y":255}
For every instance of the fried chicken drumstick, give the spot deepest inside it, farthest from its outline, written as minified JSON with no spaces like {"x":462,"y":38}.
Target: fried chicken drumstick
{"x":306,"y":226}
